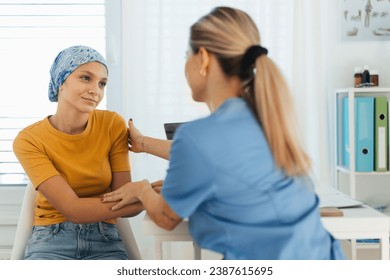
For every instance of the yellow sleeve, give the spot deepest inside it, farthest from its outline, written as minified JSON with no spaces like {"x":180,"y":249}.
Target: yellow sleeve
{"x":119,"y":153}
{"x":33,"y":159}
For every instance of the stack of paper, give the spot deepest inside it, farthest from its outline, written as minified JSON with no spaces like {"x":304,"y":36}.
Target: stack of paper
{"x":331,"y":197}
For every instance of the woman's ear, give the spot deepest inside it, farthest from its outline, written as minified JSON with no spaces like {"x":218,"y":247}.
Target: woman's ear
{"x":204,"y":61}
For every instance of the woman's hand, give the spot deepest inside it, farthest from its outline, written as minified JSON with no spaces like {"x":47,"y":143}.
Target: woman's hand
{"x":135,"y":138}
{"x":127,"y":194}
{"x":157,"y":186}
{"x":148,"y":194}
{"x":138,"y":143}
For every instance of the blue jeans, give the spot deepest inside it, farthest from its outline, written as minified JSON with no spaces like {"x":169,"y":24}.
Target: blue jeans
{"x":68,"y":241}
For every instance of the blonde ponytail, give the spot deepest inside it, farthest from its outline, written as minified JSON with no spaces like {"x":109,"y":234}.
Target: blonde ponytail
{"x":274,"y":107}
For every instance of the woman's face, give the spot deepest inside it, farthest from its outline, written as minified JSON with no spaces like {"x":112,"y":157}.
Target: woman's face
{"x":84,"y":88}
{"x":194,"y":79}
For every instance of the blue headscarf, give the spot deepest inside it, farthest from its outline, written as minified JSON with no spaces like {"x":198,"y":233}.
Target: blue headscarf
{"x":66,"y":62}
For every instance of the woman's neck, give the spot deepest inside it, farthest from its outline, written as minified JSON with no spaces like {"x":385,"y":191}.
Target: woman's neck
{"x":219,"y":87}
{"x":222,"y":90}
{"x":69,"y":123}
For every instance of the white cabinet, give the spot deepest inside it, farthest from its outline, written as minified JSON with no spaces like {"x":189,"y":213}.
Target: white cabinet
{"x":372,"y":188}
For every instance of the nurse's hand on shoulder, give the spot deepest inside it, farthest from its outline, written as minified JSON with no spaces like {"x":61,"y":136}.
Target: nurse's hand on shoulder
{"x":125,"y":195}
{"x":135,"y":138}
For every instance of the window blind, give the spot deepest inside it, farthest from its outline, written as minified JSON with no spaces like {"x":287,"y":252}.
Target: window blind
{"x":31,"y":34}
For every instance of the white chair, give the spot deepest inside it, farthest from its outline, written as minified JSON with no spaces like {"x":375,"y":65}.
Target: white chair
{"x":25,"y":223}
{"x":125,"y":231}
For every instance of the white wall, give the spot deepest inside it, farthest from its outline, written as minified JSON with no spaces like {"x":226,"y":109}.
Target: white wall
{"x":10,"y":200}
{"x":343,"y":56}
{"x":322,"y":63}
{"x":340,"y":58}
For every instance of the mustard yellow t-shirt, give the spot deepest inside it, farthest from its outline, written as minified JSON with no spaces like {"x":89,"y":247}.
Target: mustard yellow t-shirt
{"x":86,"y":161}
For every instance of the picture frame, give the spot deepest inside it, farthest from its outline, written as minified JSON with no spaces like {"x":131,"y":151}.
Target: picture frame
{"x":365,"y":20}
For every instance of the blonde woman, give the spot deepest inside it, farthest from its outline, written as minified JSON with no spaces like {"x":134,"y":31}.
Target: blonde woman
{"x":240,"y":175}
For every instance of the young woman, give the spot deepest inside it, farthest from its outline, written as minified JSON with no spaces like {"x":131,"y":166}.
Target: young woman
{"x":72,"y":158}
{"x":240,"y":174}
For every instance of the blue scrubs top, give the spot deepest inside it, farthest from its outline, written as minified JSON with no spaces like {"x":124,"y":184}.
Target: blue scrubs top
{"x":223,"y":177}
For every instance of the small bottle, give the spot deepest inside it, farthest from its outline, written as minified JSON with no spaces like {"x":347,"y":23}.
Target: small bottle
{"x":358,"y":76}
{"x":366,"y":76}
{"x":374,"y":78}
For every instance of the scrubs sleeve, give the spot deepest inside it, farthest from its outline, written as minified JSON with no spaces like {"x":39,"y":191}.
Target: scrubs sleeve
{"x":189,"y":180}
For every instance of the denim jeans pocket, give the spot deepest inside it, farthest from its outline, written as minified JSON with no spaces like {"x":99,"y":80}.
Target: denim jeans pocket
{"x":109,"y":232}
{"x":43,"y":233}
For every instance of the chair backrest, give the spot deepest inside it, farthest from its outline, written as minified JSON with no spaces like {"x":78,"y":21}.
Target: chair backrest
{"x":125,"y":231}
{"x":25,"y":223}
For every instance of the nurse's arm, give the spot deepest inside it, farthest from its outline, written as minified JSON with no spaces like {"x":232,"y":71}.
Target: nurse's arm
{"x":154,"y":203}
{"x":158,"y":209}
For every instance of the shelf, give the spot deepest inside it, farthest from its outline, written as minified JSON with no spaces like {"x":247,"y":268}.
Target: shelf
{"x":347,"y":171}
{"x":368,"y":245}
{"x":372,"y":187}
{"x":364,"y":90}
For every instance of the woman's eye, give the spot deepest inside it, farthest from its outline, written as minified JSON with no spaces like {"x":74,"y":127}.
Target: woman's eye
{"x":85,"y":78}
{"x":102,"y":84}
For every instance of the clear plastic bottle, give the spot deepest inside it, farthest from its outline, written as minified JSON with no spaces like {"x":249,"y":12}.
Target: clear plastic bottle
{"x":366,"y":76}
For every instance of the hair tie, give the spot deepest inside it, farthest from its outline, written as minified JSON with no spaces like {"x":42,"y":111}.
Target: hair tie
{"x":249,"y":58}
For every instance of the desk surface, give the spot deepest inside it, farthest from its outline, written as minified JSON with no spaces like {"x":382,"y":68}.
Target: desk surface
{"x":150,"y":227}
{"x":362,"y":219}
{"x":357,"y":222}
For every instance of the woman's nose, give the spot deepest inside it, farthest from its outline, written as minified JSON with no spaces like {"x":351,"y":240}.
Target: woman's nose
{"x":93,"y":90}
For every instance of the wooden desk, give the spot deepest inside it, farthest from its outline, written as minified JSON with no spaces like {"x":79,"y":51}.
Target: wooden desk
{"x":360,"y":222}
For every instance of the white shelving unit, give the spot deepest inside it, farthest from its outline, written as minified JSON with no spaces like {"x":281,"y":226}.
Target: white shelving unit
{"x":349,"y":184}
{"x":371,"y":188}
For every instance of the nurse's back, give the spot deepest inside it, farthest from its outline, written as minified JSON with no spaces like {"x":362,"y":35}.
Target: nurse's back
{"x":256,"y":211}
